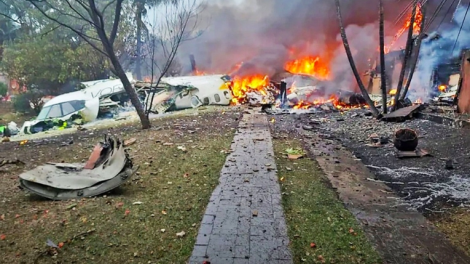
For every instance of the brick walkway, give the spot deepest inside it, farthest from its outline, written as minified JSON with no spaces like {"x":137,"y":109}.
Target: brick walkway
{"x":244,"y":221}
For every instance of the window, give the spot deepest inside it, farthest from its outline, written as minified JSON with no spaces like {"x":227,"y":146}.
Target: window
{"x":55,"y":111}
{"x":67,"y":108}
{"x":78,"y":105}
{"x":217,"y":98}
{"x":43,"y":114}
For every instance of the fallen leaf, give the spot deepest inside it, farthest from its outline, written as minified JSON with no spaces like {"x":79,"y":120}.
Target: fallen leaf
{"x":186,"y":175}
{"x":164,"y":212}
{"x":162,"y":230}
{"x":3,"y":237}
{"x":282,"y":179}
{"x":127,"y":212}
{"x":351,"y":231}
{"x":71,"y":206}
{"x":119,"y":205}
{"x":181,"y":234}
{"x":182,"y":148}
{"x":2,"y":217}
{"x":17,"y":216}
{"x":84,"y":219}
{"x":129,"y":142}
{"x":294,"y":156}
{"x":61,"y":245}
{"x":51,"y":244}
{"x":273,"y":120}
{"x":313,"y":245}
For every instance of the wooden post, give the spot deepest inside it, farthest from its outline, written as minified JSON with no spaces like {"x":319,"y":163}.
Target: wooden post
{"x":408,"y":49}
{"x":193,"y":63}
{"x":383,"y":77}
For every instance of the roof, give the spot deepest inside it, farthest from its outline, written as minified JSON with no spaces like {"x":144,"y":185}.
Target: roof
{"x":73,"y":96}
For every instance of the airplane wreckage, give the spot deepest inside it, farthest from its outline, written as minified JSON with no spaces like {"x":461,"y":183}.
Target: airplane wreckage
{"x":106,"y":98}
{"x":108,"y":167}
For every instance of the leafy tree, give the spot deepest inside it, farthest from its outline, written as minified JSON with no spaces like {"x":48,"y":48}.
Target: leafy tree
{"x":99,"y":23}
{"x":48,"y":63}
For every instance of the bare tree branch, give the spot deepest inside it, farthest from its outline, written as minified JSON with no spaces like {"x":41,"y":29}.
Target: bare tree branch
{"x":81,"y":34}
{"x":117,"y":18}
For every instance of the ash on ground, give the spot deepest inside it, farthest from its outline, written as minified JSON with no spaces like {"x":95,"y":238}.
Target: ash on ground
{"x":426,"y":183}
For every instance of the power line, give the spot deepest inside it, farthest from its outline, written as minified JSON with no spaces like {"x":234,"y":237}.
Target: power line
{"x":461,"y":26}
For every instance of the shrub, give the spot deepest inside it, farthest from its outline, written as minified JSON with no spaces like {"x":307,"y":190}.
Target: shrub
{"x":3,"y":89}
{"x":28,"y":102}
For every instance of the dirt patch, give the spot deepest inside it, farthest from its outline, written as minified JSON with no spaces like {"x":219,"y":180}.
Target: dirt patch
{"x":138,"y":222}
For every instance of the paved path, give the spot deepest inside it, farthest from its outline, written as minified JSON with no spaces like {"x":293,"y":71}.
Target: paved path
{"x":244,"y":221}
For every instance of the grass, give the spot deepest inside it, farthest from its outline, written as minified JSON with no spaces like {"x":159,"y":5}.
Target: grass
{"x":454,"y":224}
{"x":138,"y":222}
{"x":320,"y":228}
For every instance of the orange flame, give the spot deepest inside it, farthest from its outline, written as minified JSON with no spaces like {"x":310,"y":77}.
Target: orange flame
{"x":309,"y":65}
{"x":198,"y":72}
{"x":333,"y":100}
{"x":442,"y":88}
{"x":406,"y":26}
{"x":393,"y":92}
{"x":243,"y":85}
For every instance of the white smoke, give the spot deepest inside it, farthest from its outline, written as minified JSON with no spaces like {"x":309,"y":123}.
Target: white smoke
{"x":439,"y":51}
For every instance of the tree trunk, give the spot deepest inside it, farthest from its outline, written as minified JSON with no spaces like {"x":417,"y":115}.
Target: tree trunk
{"x":121,"y":74}
{"x":138,"y":62}
{"x":414,"y":62}
{"x":144,"y":120}
{"x":408,"y":49}
{"x":371,"y":104}
{"x":383,"y":77}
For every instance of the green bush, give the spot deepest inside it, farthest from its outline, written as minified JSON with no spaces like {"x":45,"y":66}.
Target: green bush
{"x":3,"y":89}
{"x":22,"y":102}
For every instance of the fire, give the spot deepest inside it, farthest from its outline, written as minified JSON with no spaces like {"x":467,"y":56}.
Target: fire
{"x":418,"y":101}
{"x":393,"y":92}
{"x":243,"y":85}
{"x":406,"y":26}
{"x":310,"y":65}
{"x":333,"y":100}
{"x":442,"y":88}
{"x":198,"y":72}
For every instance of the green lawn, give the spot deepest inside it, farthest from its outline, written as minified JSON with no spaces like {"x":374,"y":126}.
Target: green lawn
{"x":321,"y":230}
